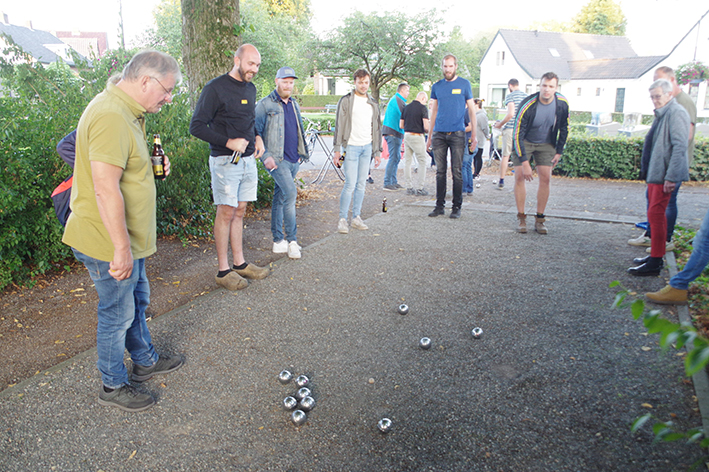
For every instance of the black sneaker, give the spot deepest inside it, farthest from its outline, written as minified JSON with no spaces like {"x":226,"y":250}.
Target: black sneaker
{"x":391,"y":188}
{"x":164,"y":365}
{"x":127,"y":398}
{"x":370,"y":180}
{"x":437,"y":211}
{"x":398,"y":185}
{"x":410,"y":191}
{"x":455,"y":213}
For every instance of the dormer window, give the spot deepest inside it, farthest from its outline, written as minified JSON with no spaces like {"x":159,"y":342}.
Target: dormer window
{"x":554,"y":52}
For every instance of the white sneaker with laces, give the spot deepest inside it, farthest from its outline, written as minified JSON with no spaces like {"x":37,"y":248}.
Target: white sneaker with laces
{"x":641,"y":240}
{"x":281,"y":247}
{"x":357,"y":223}
{"x":670,"y":246}
{"x":293,"y":250}
{"x":342,"y":226}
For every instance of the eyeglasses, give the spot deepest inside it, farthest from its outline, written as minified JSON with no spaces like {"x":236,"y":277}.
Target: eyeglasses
{"x":657,"y":97}
{"x":169,"y":92}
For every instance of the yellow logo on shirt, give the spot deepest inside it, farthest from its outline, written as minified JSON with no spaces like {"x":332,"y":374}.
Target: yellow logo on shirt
{"x":455,"y":91}
{"x":244,"y":102}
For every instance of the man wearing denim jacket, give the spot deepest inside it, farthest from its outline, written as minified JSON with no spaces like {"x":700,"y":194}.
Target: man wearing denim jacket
{"x":280,"y":125}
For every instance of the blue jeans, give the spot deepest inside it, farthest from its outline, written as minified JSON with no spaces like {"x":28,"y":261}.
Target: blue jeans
{"x":356,"y":169}
{"x":283,"y":206}
{"x":456,"y":142}
{"x":670,"y":214}
{"x":121,"y":319}
{"x":394,"y":147}
{"x":697,"y":261}
{"x":467,"y":171}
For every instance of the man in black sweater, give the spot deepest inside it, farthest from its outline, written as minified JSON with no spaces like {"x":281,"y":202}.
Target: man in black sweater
{"x":224,"y":117}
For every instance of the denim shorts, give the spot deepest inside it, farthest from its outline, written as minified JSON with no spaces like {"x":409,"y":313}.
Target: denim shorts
{"x":233,"y":183}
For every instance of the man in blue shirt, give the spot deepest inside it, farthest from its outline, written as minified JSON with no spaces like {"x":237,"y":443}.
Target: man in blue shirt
{"x":393,"y":135}
{"x":449,"y":97}
{"x":280,"y":125}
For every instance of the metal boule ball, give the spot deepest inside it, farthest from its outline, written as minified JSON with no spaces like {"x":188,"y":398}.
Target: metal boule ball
{"x":307,"y":403}
{"x":384,"y":425}
{"x":302,"y":393}
{"x":302,"y":381}
{"x":477,"y":332}
{"x":285,"y":377}
{"x":289,"y":403}
{"x":425,"y":343}
{"x":477,"y":185}
{"x":403,"y":309}
{"x":494,"y":182}
{"x":299,"y":417}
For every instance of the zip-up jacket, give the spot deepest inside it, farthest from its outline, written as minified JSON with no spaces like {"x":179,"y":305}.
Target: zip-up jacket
{"x":343,"y":124}
{"x":526,"y":112}
{"x":270,"y":123}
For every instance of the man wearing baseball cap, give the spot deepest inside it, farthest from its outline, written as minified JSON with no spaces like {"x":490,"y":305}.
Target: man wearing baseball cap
{"x":280,"y":125}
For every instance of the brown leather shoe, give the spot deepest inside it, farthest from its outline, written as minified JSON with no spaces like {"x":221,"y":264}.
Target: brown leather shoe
{"x":232,"y":281}
{"x":253,"y":272}
{"x":522,"y":227}
{"x":539,"y":225}
{"x":668,"y":296}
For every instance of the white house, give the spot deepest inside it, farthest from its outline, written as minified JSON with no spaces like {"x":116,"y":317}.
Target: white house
{"x":596,"y":73}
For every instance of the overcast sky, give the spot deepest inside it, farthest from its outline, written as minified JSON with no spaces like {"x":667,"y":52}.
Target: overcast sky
{"x":654,"y":26}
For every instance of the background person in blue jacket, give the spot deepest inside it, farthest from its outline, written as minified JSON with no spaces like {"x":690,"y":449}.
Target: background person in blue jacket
{"x":394,"y":135}
{"x":280,"y":125}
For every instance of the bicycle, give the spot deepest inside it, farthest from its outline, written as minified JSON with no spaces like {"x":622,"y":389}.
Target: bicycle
{"x":313,"y":136}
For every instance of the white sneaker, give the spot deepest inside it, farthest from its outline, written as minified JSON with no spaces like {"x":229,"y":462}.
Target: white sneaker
{"x":281,"y":247}
{"x":357,"y":223}
{"x":342,"y":226}
{"x":668,"y":247}
{"x":641,"y":240}
{"x":293,"y":250}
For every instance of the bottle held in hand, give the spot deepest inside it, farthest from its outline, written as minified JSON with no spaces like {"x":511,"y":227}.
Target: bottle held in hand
{"x":158,"y":159}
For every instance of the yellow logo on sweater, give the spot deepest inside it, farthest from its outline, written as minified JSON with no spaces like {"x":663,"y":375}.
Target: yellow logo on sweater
{"x":455,"y":91}
{"x":244,"y":102}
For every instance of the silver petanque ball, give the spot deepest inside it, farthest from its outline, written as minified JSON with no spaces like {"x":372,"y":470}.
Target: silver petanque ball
{"x":299,"y":417}
{"x":477,"y":332}
{"x":477,"y":185}
{"x":302,"y":381}
{"x":403,"y":309}
{"x":425,"y":343}
{"x":302,"y":393}
{"x":285,"y":377}
{"x":494,"y":182}
{"x":289,"y":403}
{"x":384,"y":425}
{"x":307,"y":403}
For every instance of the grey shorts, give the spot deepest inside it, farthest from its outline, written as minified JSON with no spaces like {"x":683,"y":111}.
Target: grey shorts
{"x":542,"y":154}
{"x":232,"y":183}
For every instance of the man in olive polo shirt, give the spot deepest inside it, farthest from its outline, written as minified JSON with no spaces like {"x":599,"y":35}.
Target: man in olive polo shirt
{"x":112,"y":225}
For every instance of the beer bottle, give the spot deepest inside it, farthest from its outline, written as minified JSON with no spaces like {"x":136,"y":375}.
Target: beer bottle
{"x":158,"y":159}
{"x":384,"y":205}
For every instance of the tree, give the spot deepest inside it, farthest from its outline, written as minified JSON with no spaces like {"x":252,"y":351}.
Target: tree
{"x":600,"y":17}
{"x":468,"y":52}
{"x":391,"y":47}
{"x":167,"y":36}
{"x":210,"y":30}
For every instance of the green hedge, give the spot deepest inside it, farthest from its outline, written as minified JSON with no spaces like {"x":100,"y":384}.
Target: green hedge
{"x":318,"y":101}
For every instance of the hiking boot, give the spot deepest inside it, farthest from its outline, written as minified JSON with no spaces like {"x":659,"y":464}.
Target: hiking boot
{"x":391,"y":188}
{"x":641,"y":240}
{"x":357,"y":223}
{"x":437,"y":211}
{"x":232,"y":281}
{"x":539,"y":225}
{"x":280,"y":247}
{"x":293,"y":250}
{"x":164,"y":365}
{"x":127,"y":398}
{"x":670,"y":246}
{"x":421,"y":192}
{"x":522,"y":226}
{"x":254,"y":272}
{"x":668,"y":296}
{"x":342,"y":226}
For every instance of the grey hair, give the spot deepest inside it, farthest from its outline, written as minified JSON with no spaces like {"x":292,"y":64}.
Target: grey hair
{"x":664,"y":84}
{"x":151,"y":63}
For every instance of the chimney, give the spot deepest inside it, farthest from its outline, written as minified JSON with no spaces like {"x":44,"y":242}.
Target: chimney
{"x":5,"y":18}
{"x":28,"y":24}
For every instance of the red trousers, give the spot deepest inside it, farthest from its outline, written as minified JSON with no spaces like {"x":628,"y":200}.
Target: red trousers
{"x":657,"y":204}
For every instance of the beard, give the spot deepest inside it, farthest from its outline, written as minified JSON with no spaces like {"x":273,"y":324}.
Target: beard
{"x":448,"y":75}
{"x":246,"y":76}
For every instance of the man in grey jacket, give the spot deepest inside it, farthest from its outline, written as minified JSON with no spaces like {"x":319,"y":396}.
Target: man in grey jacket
{"x":664,"y":166}
{"x":358,"y":130}
{"x":280,"y":125}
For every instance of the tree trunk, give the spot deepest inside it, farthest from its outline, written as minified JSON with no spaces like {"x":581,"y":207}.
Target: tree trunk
{"x":209,"y":40}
